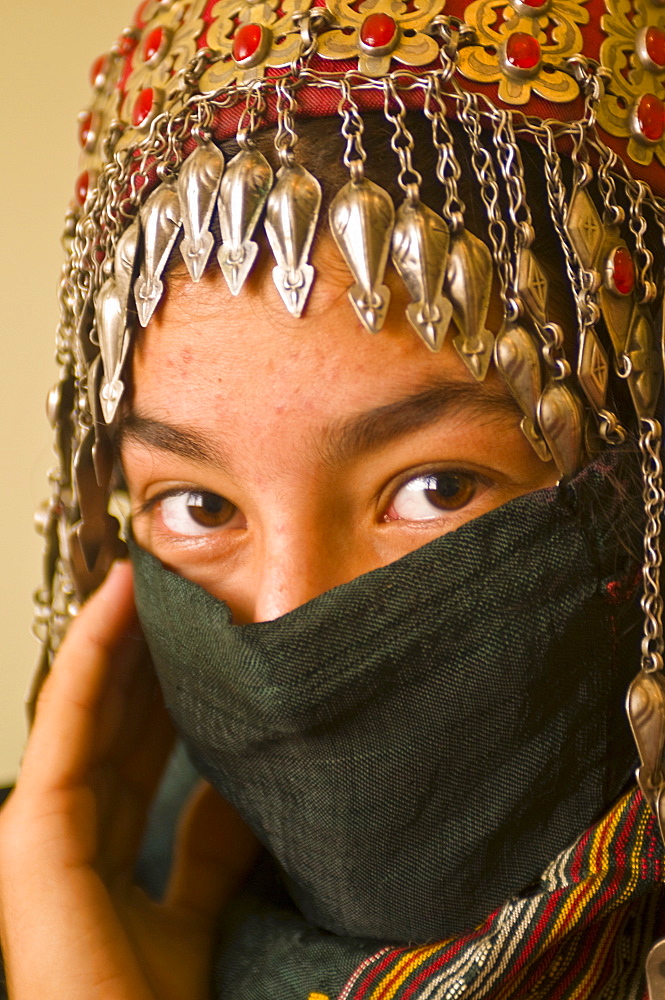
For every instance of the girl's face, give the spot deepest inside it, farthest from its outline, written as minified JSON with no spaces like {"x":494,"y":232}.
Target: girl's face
{"x":269,"y":459}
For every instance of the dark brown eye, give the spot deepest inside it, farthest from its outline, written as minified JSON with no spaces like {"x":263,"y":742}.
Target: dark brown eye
{"x":424,"y":497}
{"x":449,"y":490}
{"x":195,"y":513}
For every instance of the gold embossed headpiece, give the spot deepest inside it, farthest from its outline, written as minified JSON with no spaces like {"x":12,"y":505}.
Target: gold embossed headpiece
{"x":582,"y":80}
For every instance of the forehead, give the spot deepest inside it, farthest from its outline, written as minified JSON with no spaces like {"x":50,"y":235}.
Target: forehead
{"x":207,"y":347}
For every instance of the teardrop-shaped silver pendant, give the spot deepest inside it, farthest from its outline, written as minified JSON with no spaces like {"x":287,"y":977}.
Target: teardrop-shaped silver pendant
{"x":124,"y":263}
{"x":469,"y":286}
{"x":198,"y":185}
{"x":292,"y":211}
{"x":113,"y":334}
{"x":419,"y":252}
{"x":160,"y":222}
{"x":561,"y":420}
{"x":242,"y":194}
{"x":361,"y":220}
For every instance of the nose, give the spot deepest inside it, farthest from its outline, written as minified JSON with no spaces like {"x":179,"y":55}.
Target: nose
{"x":294,"y":566}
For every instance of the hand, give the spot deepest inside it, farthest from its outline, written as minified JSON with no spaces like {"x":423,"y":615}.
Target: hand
{"x":72,"y":922}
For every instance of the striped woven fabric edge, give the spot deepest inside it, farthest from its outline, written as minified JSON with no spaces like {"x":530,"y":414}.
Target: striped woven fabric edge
{"x":594,"y":906}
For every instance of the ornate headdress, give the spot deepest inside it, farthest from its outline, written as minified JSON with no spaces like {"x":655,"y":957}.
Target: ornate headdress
{"x":582,"y":80}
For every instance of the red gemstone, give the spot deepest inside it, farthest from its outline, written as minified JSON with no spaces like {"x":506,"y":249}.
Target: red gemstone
{"x":536,"y":4}
{"x":98,"y":71}
{"x":247,"y":42}
{"x":522,"y":51}
{"x":153,"y":44}
{"x":622,"y":270}
{"x":140,"y":11}
{"x":142,"y":106}
{"x":126,"y":44}
{"x":378,"y":31}
{"x":85,"y":128}
{"x":654,"y":43}
{"x":650,"y":116}
{"x":82,"y":187}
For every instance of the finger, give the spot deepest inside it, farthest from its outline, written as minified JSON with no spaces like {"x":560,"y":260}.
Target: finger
{"x":65,"y":735}
{"x":137,"y":778}
{"x":214,"y":853}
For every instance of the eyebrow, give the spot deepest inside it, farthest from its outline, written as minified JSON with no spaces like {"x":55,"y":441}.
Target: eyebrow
{"x":439,"y":397}
{"x":349,"y":438}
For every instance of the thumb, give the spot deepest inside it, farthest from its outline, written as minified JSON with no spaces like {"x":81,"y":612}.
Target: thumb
{"x":214,"y":852}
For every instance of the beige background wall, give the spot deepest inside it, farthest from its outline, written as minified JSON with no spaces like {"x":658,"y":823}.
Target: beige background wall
{"x":46,"y":53}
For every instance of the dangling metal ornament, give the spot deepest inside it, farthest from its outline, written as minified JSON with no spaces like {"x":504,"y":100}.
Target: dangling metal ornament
{"x":242,"y":194}
{"x":617,"y":313}
{"x":198,"y":185}
{"x":561,"y":420}
{"x":160,"y":222}
{"x":114,"y":338}
{"x":469,"y":287}
{"x":645,"y":705}
{"x":593,"y":368}
{"x":95,"y":535}
{"x":531,"y":284}
{"x":584,"y":227}
{"x":125,"y":261}
{"x":517,"y":358}
{"x":292,"y":212}
{"x":655,"y":968}
{"x":645,"y":372}
{"x":361,"y":220}
{"x":419,"y":252}
{"x":113,"y":332}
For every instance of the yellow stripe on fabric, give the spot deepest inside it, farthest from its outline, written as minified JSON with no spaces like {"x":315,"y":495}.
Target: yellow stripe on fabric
{"x":586,"y":987}
{"x":318,"y":996}
{"x":582,"y":895}
{"x":403,"y":970}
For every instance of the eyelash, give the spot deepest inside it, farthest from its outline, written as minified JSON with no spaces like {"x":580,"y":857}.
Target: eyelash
{"x":473,"y":480}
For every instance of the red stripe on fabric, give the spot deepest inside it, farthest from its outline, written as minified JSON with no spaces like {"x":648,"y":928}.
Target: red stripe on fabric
{"x":592,"y":947}
{"x":554,"y":908}
{"x":375,"y":970}
{"x":626,"y":830}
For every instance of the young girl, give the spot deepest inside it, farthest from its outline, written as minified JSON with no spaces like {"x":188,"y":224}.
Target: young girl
{"x":359,"y":337}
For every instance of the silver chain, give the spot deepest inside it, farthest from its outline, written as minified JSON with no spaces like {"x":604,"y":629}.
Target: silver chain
{"x":637,"y":193}
{"x":654,"y":498}
{"x":352,"y":130}
{"x":401,"y":141}
{"x":489,"y":192}
{"x":285,"y":137}
{"x":512,"y":171}
{"x":448,"y":169}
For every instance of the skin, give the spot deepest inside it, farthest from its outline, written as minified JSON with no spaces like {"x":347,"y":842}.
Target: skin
{"x":297,"y":438}
{"x":303,"y":428}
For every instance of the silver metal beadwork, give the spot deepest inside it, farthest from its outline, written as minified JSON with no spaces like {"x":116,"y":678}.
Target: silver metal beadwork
{"x":242,"y":195}
{"x":361,"y":220}
{"x":292,"y":212}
